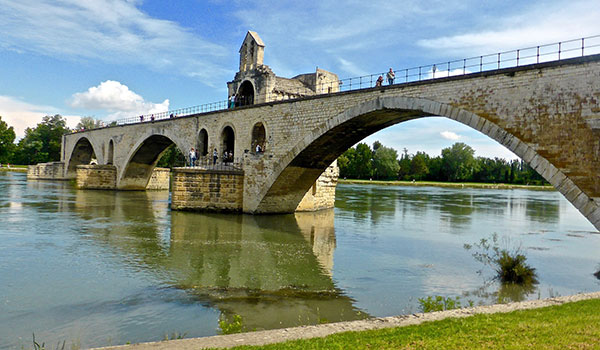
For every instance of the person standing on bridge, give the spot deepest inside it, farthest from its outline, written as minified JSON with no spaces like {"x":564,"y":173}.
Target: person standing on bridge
{"x":192,"y":157}
{"x":379,"y":81}
{"x":215,"y":156}
{"x":232,"y":101}
{"x":390,"y":77}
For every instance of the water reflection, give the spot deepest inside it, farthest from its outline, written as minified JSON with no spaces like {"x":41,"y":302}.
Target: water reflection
{"x":274,"y":271}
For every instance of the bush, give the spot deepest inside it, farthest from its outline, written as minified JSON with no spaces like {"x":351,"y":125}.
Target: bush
{"x":439,"y":303}
{"x":509,"y":263}
{"x":235,"y":326}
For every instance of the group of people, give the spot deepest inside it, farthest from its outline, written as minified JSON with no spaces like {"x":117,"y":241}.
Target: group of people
{"x":390,"y":78}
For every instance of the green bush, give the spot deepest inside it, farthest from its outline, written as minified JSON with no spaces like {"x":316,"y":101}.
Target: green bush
{"x":235,"y":326}
{"x":440,"y":303}
{"x":509,"y":263}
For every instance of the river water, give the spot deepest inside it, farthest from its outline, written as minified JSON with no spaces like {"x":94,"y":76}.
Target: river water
{"x":99,"y":268}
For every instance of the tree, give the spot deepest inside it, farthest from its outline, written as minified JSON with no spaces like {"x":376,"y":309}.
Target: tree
{"x":88,"y":123}
{"x":43,"y":143}
{"x":404,"y":166}
{"x":363,"y":161}
{"x":7,"y":139}
{"x":418,"y":166}
{"x":458,"y":162}
{"x":385,"y":163}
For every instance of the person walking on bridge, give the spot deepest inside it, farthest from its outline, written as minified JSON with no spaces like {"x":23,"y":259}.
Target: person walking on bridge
{"x":390,"y":77}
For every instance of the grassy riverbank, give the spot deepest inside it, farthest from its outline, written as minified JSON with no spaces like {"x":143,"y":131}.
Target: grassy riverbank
{"x":447,"y":184}
{"x":568,"y":326}
{"x":18,"y":168}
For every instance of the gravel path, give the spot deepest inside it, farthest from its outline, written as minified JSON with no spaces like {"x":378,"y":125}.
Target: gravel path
{"x":305,"y":332}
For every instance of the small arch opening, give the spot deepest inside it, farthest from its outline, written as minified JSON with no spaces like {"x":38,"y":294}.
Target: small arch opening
{"x":245,"y":94}
{"x":259,"y":137}
{"x":203,"y":143}
{"x":228,"y":144}
{"x":111,"y":153}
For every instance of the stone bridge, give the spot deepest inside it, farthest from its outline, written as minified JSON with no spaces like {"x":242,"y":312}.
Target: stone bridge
{"x":548,"y":114}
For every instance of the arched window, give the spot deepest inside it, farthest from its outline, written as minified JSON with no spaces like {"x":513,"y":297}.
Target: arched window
{"x":259,"y":137}
{"x":203,"y":142}
{"x":245,"y":94}
{"x":227,"y":144}
{"x":111,"y":153}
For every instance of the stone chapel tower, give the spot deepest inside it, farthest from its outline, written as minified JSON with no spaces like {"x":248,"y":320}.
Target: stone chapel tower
{"x":256,"y":83}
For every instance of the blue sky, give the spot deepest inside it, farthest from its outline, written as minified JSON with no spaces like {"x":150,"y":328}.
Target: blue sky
{"x":118,"y":58}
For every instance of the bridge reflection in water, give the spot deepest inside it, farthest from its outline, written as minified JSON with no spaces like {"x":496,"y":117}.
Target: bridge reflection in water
{"x":274,"y":271}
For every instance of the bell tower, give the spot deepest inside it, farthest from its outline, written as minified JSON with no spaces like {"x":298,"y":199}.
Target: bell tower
{"x":252,"y":52}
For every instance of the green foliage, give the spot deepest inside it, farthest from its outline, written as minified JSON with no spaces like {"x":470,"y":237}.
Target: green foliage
{"x":458,"y":162}
{"x":508,"y":263}
{"x":174,"y":336}
{"x":440,"y":303}
{"x":7,"y":139}
{"x":43,"y":143}
{"x":385,"y":162}
{"x":88,"y":123}
{"x":233,"y":326}
{"x":38,"y":346}
{"x":171,"y":158}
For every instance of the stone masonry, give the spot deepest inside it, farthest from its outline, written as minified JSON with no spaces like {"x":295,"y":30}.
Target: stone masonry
{"x":545,"y":113}
{"x":207,"y":190}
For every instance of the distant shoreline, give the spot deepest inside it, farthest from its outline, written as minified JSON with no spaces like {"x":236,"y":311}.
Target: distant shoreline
{"x":449,"y":184}
{"x":17,"y":168}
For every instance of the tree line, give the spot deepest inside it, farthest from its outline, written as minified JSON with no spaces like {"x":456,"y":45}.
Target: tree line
{"x":456,"y":163}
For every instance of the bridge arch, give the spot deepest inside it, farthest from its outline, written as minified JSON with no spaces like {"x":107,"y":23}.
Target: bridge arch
{"x":81,"y":154}
{"x":304,"y":163}
{"x":141,"y":160}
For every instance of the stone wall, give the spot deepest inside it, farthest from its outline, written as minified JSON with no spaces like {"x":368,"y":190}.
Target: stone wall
{"x":160,"y":179}
{"x":96,"y":177}
{"x":207,"y":189}
{"x":46,"y":171}
{"x":322,"y":193}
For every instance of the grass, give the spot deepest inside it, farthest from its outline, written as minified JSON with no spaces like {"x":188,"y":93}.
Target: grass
{"x":448,"y":184}
{"x":21,"y":168}
{"x":568,"y":326}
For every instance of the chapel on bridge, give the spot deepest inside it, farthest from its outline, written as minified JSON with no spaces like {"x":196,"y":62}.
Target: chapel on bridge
{"x":256,"y":83}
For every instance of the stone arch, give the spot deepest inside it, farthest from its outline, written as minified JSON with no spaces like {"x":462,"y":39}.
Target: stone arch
{"x":304,"y":163}
{"x":227,"y":141}
{"x":111,"y":152}
{"x":82,"y":154}
{"x":141,"y":161}
{"x":245,"y":94}
{"x":258,"y":137}
{"x":202,"y":145}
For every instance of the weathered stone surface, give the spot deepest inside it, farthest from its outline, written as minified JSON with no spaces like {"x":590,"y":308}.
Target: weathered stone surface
{"x":46,"y":171}
{"x":207,"y":189}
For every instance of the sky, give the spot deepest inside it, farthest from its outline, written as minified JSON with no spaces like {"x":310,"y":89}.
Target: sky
{"x":111,"y":59}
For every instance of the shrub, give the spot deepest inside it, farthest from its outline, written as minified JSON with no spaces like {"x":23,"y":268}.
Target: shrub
{"x":235,"y":326}
{"x":509,"y":263}
{"x":439,"y":303}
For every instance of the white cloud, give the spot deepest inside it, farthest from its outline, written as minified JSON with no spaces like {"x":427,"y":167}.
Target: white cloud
{"x":114,"y":31}
{"x":535,"y":25}
{"x":114,"y":97}
{"x":449,"y":135}
{"x":22,"y":115}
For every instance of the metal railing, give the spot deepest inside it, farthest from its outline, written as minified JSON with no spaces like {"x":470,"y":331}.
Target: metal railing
{"x":221,"y":163}
{"x":507,"y":59}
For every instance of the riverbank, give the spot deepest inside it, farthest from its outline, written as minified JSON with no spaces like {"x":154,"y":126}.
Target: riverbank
{"x":555,"y":323}
{"x":17,"y":168}
{"x":448,"y":184}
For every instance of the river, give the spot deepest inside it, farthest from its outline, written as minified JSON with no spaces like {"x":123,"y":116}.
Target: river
{"x":97,"y":268}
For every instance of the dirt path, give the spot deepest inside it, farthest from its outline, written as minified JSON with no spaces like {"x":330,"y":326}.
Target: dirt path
{"x":305,"y":332}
